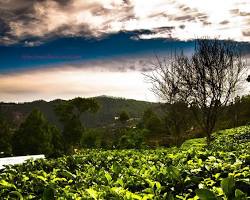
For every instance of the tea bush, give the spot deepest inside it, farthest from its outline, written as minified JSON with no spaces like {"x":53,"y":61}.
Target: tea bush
{"x":220,"y":171}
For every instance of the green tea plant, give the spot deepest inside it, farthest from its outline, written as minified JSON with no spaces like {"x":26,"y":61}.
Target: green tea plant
{"x":220,"y":171}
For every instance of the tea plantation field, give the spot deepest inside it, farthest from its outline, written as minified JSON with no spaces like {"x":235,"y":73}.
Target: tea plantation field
{"x":194,"y":171}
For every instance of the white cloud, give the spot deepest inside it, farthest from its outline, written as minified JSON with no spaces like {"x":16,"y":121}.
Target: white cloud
{"x":95,"y":18}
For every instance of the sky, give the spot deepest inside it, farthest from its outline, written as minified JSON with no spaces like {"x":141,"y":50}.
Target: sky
{"x":52,"y":49}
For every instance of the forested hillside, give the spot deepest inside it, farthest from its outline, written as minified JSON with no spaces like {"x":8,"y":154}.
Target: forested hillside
{"x":110,"y":107}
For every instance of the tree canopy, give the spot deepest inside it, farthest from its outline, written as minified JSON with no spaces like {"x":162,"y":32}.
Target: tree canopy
{"x":35,"y":136}
{"x":69,"y":113}
{"x":206,"y":81}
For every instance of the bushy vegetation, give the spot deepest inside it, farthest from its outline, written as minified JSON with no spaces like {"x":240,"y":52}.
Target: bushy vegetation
{"x":194,"y":171}
{"x":5,"y":135}
{"x":110,"y":107}
{"x":35,"y":136}
{"x":162,"y":125}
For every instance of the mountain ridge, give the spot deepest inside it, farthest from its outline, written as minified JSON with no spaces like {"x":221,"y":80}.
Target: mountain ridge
{"x":110,"y":107}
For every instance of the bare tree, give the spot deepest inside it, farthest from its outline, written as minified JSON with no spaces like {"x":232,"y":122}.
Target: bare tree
{"x":206,"y":81}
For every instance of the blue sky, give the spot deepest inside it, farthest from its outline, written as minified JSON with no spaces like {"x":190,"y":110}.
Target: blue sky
{"x":62,"y":49}
{"x":79,"y":50}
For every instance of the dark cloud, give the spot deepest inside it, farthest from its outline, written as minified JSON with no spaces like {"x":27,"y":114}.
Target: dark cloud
{"x":166,"y":30}
{"x":187,"y":10}
{"x":187,"y":14}
{"x":16,"y":5}
{"x":182,"y":26}
{"x":206,"y":23}
{"x":154,"y":30}
{"x":234,"y":11}
{"x":239,"y":13}
{"x":63,"y":2}
{"x":21,"y":19}
{"x":246,"y":33}
{"x":224,"y":22}
{"x":192,"y":17}
{"x":24,"y":20}
{"x":4,"y":27}
{"x":163,"y":29}
{"x":244,"y":14}
{"x":184,"y":18}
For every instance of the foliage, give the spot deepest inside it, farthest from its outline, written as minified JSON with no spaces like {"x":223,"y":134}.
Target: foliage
{"x":132,"y":139}
{"x":166,"y":120}
{"x":91,"y":138}
{"x":123,"y":116}
{"x":220,"y":171}
{"x":178,"y":120}
{"x":206,"y":81}
{"x":152,"y":121}
{"x":110,"y":106}
{"x":236,"y":114}
{"x":36,"y":136}
{"x":5,"y":135}
{"x":69,"y":113}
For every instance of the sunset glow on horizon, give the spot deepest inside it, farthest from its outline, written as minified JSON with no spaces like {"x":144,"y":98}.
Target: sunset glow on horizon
{"x":61,"y":49}
{"x":68,"y":83}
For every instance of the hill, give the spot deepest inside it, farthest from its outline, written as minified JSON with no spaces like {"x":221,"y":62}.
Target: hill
{"x":109,"y":108}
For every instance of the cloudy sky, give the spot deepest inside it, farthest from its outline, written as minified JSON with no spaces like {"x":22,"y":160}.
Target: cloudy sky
{"x":65,"y":48}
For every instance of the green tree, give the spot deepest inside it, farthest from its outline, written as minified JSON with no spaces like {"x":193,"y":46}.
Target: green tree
{"x":69,"y":113}
{"x":5,"y":137}
{"x":132,"y":139}
{"x":152,"y":122}
{"x":35,"y":136}
{"x":123,"y":117}
{"x":91,"y":138}
{"x":178,"y":120}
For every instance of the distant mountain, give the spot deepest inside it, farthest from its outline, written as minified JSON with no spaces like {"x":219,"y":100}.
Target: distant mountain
{"x":109,"y":108}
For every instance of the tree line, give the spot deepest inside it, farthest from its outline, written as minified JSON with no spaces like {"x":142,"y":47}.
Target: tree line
{"x":36,"y":135}
{"x":198,"y":94}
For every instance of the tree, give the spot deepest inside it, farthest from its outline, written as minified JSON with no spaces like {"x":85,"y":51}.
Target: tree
{"x":5,"y":135}
{"x":69,"y":113}
{"x":132,"y":139}
{"x":35,"y":136}
{"x":152,"y":122}
{"x":178,"y":120}
{"x":206,"y":81}
{"x":123,"y":117}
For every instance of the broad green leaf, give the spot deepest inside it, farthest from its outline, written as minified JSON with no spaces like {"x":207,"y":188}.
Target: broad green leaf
{"x":67,"y":174}
{"x":174,"y":172}
{"x":93,"y":193}
{"x":41,"y":178}
{"x":151,"y":183}
{"x":158,"y":185}
{"x":227,"y":185}
{"x":148,"y":197}
{"x":240,"y":195}
{"x":7,"y":184}
{"x":205,"y":194}
{"x":108,"y":177}
{"x":136,"y":196}
{"x":120,"y":182}
{"x":216,"y":176}
{"x":48,"y":194}
{"x":18,"y":194}
{"x":169,"y":196}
